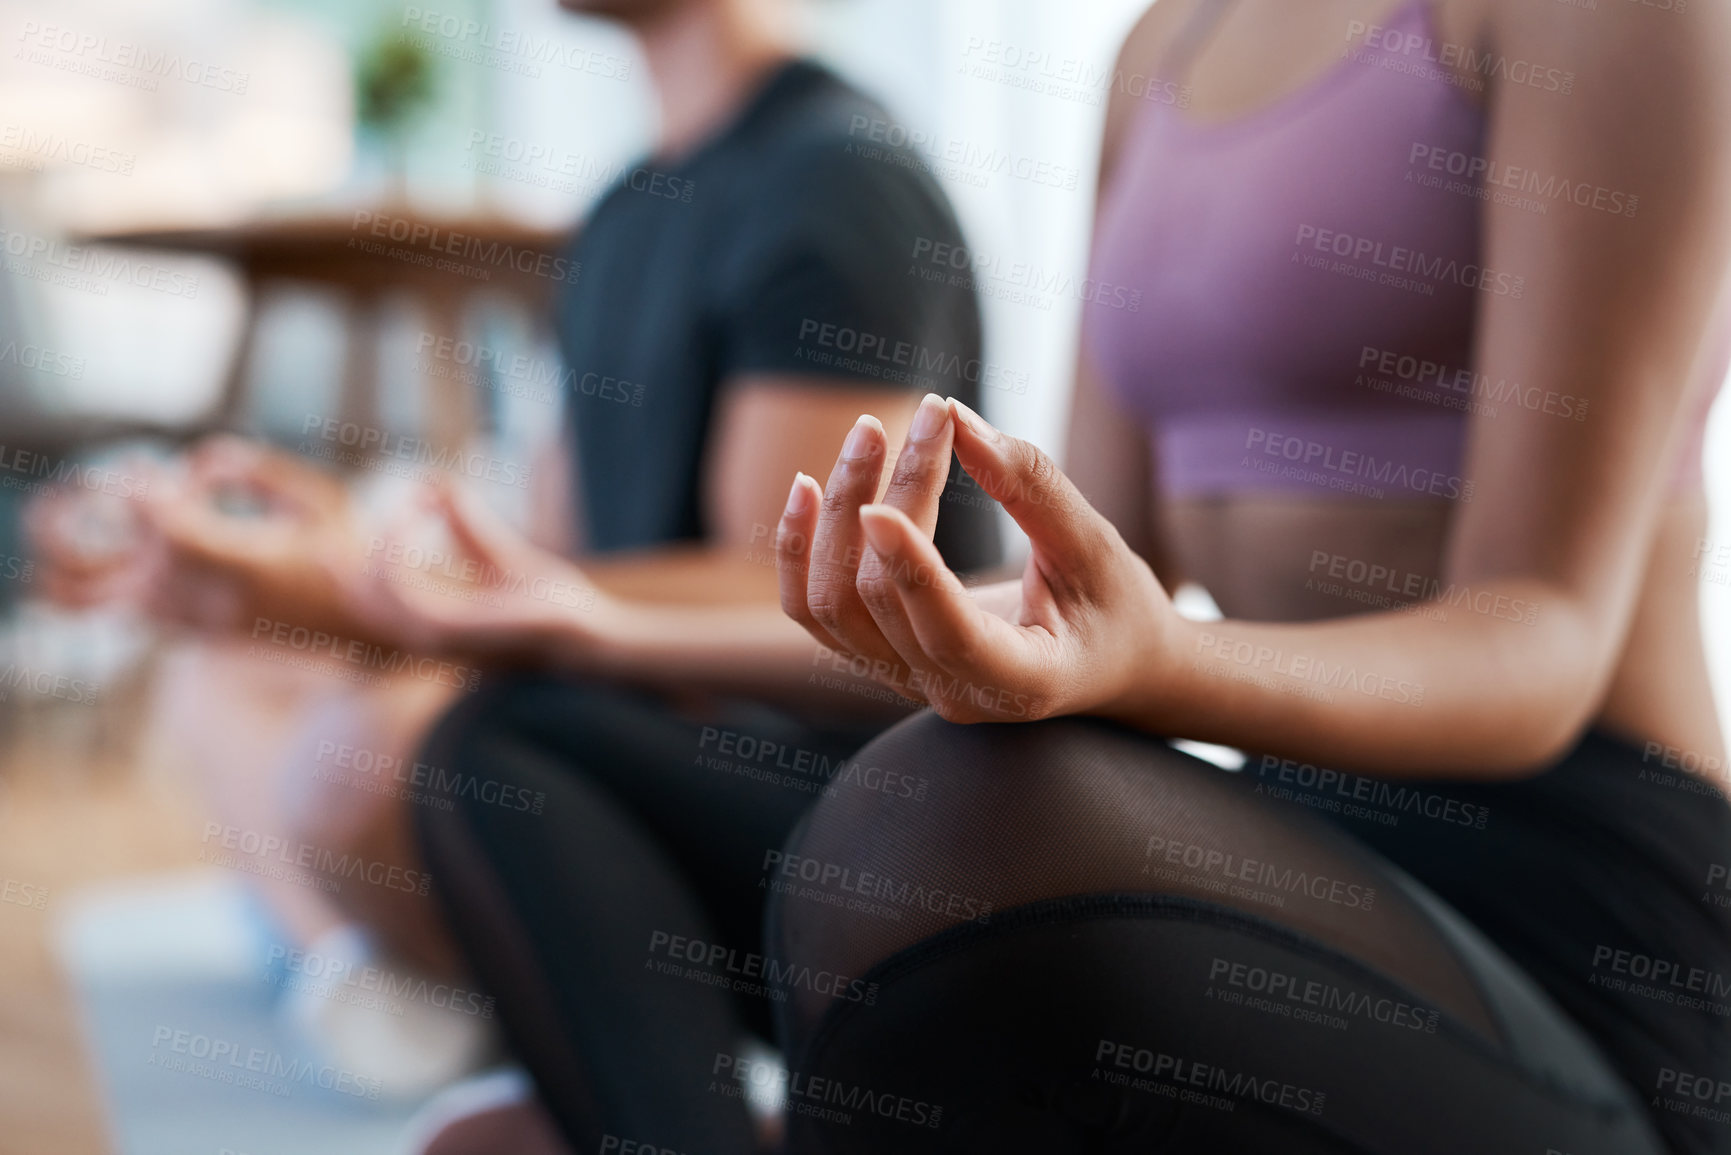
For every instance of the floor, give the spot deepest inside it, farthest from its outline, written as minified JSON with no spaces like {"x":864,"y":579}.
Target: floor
{"x":76,"y":806}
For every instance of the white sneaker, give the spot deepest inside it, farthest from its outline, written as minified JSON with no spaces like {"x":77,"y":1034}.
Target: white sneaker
{"x":484,"y":1113}
{"x":362,"y":1015}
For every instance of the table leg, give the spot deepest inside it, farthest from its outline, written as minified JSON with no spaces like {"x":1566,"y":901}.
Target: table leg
{"x":452,"y":404}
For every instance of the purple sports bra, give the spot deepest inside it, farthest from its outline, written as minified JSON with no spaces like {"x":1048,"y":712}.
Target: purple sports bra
{"x":1308,"y":278}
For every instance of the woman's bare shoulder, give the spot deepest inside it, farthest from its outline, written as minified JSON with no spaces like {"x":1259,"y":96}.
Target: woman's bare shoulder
{"x":1136,"y":68}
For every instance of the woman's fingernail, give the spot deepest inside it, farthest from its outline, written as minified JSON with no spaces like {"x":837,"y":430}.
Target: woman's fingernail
{"x":930,"y":419}
{"x":798,"y":498}
{"x":982,"y":429}
{"x":859,"y":443}
{"x":879,"y":527}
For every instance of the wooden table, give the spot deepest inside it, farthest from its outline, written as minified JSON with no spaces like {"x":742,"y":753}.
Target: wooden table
{"x":368,"y":255}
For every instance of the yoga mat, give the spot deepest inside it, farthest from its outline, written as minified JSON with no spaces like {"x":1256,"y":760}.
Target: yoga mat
{"x":173,"y":983}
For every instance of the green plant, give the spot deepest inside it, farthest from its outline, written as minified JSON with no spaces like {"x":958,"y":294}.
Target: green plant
{"x":393,"y":82}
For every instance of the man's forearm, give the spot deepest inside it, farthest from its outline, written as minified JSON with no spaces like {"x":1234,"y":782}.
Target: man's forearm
{"x":750,"y":650}
{"x":709,"y":617}
{"x":688,"y":575}
{"x":711,"y":575}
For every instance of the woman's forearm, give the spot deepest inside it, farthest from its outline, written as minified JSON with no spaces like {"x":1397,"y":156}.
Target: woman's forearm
{"x":1492,"y":685}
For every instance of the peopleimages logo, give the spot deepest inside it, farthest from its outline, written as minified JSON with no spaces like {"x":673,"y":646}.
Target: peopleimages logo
{"x":1663,"y":972}
{"x":209,"y":1052}
{"x":1376,"y":792}
{"x":727,"y":966}
{"x":1689,"y":761}
{"x":46,"y":684}
{"x":61,"y":471}
{"x":831,"y":878}
{"x":438,"y":241}
{"x":968,"y":159}
{"x":122,"y":60}
{"x":87,"y":268}
{"x":748,"y":749}
{"x":543,"y":376}
{"x":487,"y":44}
{"x":468,"y":576}
{"x":366,"y":439}
{"x":1309,"y":669}
{"x":35,"y":897}
{"x":1369,"y":582}
{"x":252,"y":844}
{"x":1408,"y":369}
{"x":988,"y":270}
{"x":1699,"y":1096}
{"x":1289,"y":992}
{"x":895,"y":359}
{"x":359,"y":765}
{"x":1402,"y":267}
{"x":818,"y":1096}
{"x":1359,"y":467}
{"x":364,"y":656}
{"x":332,"y":974}
{"x":517,"y":158}
{"x":1082,"y":79}
{"x":41,"y":360}
{"x":1207,"y":860}
{"x":44,"y":148}
{"x":1485,"y":176}
{"x":1478,"y":65}
{"x":1208,"y":1076}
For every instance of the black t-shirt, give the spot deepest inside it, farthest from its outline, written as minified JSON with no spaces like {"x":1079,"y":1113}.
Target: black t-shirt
{"x":786,"y":244}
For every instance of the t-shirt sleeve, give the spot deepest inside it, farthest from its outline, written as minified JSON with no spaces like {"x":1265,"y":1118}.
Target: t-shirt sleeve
{"x":833,"y":278}
{"x":839,"y":276}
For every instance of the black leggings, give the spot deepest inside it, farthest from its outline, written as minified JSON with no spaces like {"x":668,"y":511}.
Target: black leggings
{"x":1283,"y":959}
{"x":1067,"y":937}
{"x":602,"y":879}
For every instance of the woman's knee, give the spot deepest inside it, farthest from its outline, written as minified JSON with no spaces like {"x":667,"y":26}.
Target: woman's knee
{"x":1010,"y":815}
{"x":979,"y":817}
{"x":928,"y":778}
{"x":995,"y":798}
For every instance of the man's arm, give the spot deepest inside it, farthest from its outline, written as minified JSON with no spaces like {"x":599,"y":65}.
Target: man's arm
{"x":766,"y":429}
{"x":706,"y":615}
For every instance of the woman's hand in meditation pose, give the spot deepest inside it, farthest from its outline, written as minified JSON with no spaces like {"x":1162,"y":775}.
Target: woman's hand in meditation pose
{"x":1084,"y":628}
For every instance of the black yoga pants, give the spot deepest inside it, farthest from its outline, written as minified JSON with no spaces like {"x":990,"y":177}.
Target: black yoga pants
{"x":1068,"y":937}
{"x":603,"y":882}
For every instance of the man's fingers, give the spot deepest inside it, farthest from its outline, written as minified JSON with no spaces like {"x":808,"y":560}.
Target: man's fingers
{"x":477,"y":529}
{"x":412,"y":619}
{"x":1070,"y":536}
{"x":924,"y":464}
{"x":287,"y":480}
{"x":191,"y":525}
